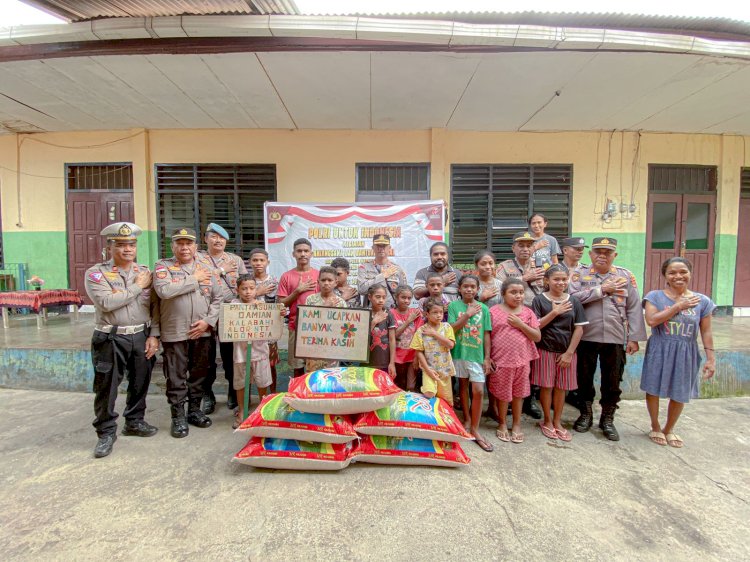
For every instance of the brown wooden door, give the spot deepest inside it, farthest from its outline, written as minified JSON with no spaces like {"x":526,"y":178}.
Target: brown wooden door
{"x":88,"y":213}
{"x":681,"y":225}
{"x":742,"y":274}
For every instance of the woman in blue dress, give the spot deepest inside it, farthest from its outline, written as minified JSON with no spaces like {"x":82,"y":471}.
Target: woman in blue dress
{"x":672,"y":361}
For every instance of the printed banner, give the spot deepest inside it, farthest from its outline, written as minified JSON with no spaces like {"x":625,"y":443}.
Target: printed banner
{"x":248,"y":322}
{"x":345,"y":230}
{"x":338,"y":334}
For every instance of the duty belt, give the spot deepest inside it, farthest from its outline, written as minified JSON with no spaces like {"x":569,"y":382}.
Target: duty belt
{"x":122,"y":330}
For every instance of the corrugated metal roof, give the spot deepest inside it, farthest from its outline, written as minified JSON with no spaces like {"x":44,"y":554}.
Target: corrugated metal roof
{"x":81,"y":10}
{"x":674,"y":24}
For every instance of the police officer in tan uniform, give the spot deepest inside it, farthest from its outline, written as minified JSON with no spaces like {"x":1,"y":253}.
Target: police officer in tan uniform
{"x":189,"y":307}
{"x":227,"y":267}
{"x":380,"y":271}
{"x":522,"y":266}
{"x":609,"y":295}
{"x":125,"y":336}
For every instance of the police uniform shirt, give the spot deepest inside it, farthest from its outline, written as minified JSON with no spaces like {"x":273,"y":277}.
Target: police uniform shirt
{"x":616,"y":318}
{"x":184,"y":300}
{"x":450,"y":290}
{"x":369,"y":274}
{"x":118,"y":300}
{"x":227,"y":281}
{"x":511,"y":268}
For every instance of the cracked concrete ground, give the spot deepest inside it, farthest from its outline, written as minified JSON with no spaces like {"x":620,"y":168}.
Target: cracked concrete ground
{"x":167,"y":499}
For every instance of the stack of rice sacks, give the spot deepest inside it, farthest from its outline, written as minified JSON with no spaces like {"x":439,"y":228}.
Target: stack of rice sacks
{"x":313,"y":427}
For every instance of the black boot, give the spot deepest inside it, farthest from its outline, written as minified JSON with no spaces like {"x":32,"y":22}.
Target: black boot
{"x":209,"y":403}
{"x":139,"y":428}
{"x":179,"y":424}
{"x":195,"y":416}
{"x":104,"y":445}
{"x":231,"y":398}
{"x":607,"y":423}
{"x":586,"y":419}
{"x":531,"y":408}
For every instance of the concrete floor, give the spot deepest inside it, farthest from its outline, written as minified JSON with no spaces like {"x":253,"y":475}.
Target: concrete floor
{"x":167,"y":499}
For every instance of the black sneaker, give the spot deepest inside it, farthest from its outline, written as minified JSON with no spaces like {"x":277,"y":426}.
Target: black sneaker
{"x":104,"y":445}
{"x":139,"y":428}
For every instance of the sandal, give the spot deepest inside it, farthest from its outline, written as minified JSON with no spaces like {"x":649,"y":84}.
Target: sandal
{"x":516,"y":437}
{"x":674,"y":440}
{"x":502,"y":434}
{"x":237,"y":419}
{"x":486,"y":447}
{"x":549,"y":432}
{"x":564,"y":435}
{"x":657,"y":437}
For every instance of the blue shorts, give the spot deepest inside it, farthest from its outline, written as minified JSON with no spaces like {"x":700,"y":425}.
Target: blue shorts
{"x":469,"y":370}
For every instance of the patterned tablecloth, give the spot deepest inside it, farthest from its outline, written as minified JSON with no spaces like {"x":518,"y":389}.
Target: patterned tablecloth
{"x":36,"y":300}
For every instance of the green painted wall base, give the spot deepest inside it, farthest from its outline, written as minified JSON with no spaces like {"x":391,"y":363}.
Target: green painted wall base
{"x":725,"y":262}
{"x":46,"y":254}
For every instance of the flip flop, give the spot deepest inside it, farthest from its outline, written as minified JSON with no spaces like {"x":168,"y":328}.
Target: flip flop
{"x":564,"y":435}
{"x":502,"y":434}
{"x":674,"y":440}
{"x":516,"y":437}
{"x":549,"y":432}
{"x":486,"y":447}
{"x":658,"y":438}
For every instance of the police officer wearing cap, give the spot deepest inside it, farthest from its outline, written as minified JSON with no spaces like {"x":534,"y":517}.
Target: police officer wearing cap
{"x":125,"y":336}
{"x":572,"y":249}
{"x":189,"y":311}
{"x":609,"y":295}
{"x":380,"y":271}
{"x":523,"y":267}
{"x":227,"y":267}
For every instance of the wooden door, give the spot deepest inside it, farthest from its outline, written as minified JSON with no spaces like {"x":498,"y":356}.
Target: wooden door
{"x":681,"y":225}
{"x":742,"y":274}
{"x":88,"y":213}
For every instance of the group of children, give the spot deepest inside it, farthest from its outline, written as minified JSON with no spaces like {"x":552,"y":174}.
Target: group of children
{"x":487,"y":337}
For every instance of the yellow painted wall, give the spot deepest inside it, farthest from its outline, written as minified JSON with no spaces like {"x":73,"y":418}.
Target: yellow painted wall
{"x":320,"y":165}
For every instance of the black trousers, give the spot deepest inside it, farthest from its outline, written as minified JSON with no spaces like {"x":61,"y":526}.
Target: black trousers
{"x":611,"y":358}
{"x":114,"y":355}
{"x":185,"y":368}
{"x":226,"y":351}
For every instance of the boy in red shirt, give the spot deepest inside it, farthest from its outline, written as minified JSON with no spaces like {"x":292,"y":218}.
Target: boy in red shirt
{"x":295,"y":286}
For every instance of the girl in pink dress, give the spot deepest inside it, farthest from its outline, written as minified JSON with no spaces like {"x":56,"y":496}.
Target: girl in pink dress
{"x":515,"y":330}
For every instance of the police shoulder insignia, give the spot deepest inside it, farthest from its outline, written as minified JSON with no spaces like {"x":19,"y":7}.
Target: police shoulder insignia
{"x":633,"y":282}
{"x":161,"y":274}
{"x":576,"y":277}
{"x":159,"y":266}
{"x":96,"y":276}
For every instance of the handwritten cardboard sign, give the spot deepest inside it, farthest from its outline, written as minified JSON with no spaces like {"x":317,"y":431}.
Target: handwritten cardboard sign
{"x":248,"y":322}
{"x":340,"y":334}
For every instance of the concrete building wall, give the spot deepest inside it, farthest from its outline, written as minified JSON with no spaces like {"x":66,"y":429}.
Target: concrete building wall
{"x":320,"y":166}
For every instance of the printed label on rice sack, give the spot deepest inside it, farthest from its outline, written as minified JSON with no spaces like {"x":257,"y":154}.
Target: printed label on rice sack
{"x":405,"y":450}
{"x":289,"y":453}
{"x":275,"y":418}
{"x":343,"y":382}
{"x":414,"y":415}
